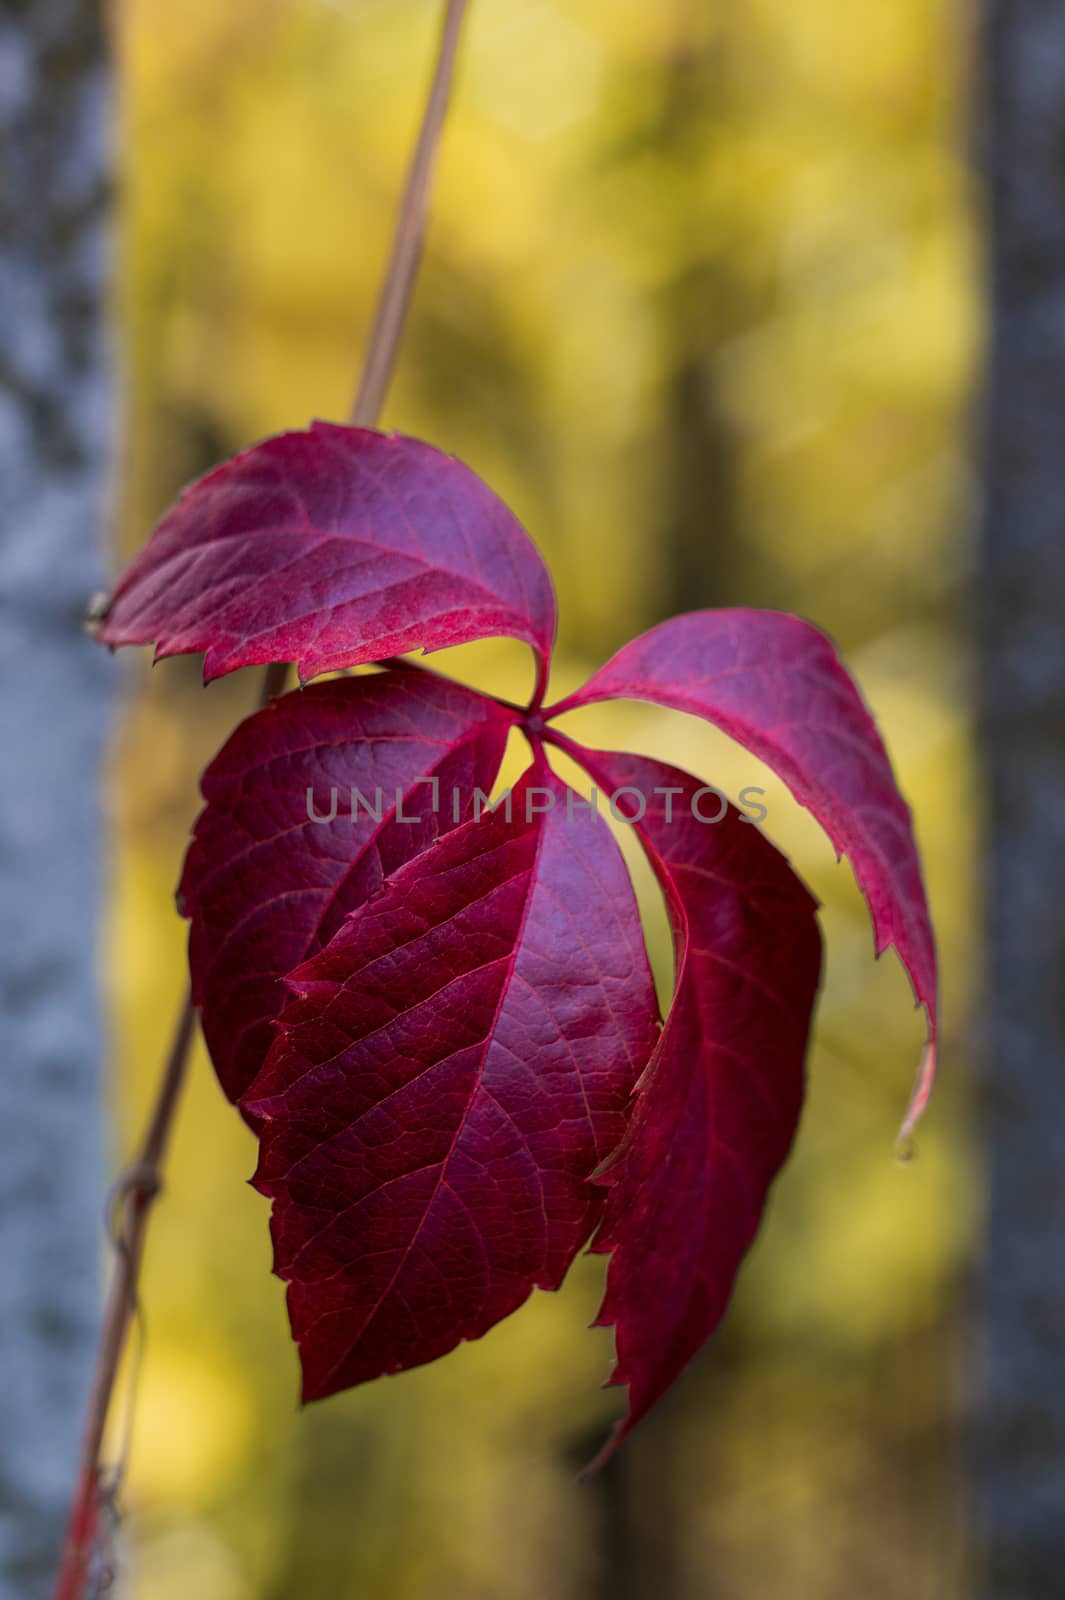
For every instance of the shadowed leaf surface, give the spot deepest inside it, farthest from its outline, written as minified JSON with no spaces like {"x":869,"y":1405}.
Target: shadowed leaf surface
{"x":719,"y":1103}
{"x":265,"y":885}
{"x":455,"y":1064}
{"x":777,"y":685}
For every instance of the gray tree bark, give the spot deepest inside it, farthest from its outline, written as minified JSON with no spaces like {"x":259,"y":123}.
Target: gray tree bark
{"x":1022,"y":1439}
{"x":55,"y":407}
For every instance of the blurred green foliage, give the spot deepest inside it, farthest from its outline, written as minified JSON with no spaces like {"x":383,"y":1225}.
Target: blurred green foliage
{"x":701,"y":301}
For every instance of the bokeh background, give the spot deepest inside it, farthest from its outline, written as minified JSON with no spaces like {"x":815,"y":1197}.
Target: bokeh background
{"x":702,"y":301}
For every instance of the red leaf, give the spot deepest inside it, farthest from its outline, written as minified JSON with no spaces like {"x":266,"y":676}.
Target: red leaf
{"x":457,"y":1062}
{"x":777,"y":685}
{"x":265,"y":886}
{"x":719,"y":1102}
{"x":330,"y":548}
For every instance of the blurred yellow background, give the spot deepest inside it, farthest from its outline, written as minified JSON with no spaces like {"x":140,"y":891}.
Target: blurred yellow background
{"x":702,"y":302}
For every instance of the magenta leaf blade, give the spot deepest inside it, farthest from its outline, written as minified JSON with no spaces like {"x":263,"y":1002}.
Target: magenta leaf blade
{"x":455,"y":1064}
{"x":776,"y":684}
{"x":271,"y":874}
{"x":718,"y":1105}
{"x":330,"y":548}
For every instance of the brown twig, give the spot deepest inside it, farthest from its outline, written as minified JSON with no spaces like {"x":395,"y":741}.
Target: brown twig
{"x":142,"y":1181}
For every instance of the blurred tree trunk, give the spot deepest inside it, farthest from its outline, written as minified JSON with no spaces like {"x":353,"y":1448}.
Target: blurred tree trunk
{"x":641,"y":1499}
{"x":54,"y":415}
{"x":1022,"y":1437}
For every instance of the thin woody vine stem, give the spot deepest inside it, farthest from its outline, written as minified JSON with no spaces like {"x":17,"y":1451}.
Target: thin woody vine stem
{"x":141,"y":1183}
{"x":402,"y":268}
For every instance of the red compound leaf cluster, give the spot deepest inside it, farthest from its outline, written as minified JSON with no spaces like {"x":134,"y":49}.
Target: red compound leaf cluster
{"x":437,"y":1012}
